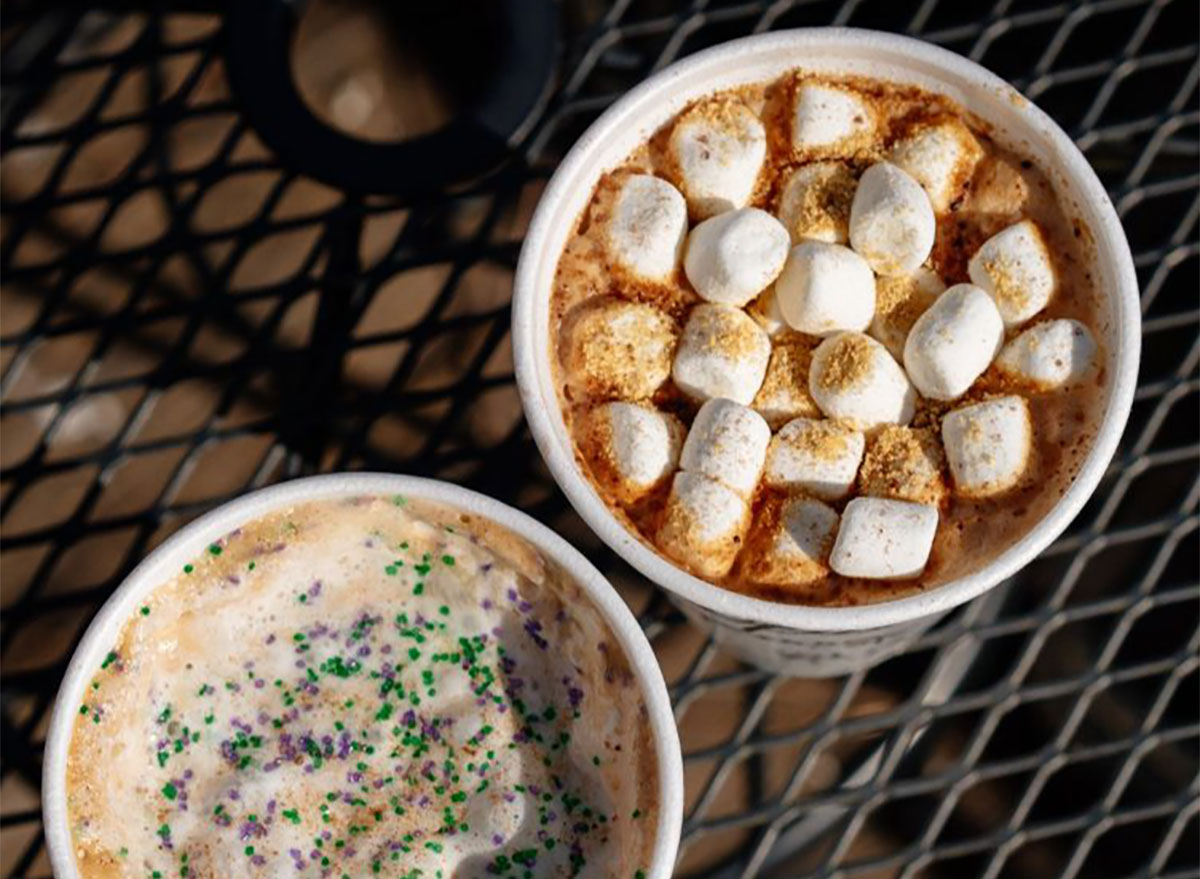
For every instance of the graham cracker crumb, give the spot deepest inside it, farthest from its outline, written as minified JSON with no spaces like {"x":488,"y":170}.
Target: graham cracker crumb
{"x":904,"y":464}
{"x":848,"y":364}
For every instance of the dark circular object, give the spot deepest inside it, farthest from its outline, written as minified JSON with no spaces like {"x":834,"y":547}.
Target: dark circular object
{"x":259,"y":35}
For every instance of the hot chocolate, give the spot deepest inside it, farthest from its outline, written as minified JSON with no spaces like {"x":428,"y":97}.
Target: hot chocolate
{"x":852,"y":343}
{"x":364,"y":687}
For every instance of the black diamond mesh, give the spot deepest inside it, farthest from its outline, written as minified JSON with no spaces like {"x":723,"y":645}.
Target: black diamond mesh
{"x":183,"y":318}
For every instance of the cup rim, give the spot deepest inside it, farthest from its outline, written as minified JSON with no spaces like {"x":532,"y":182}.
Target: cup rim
{"x":953,"y":70}
{"x":164,"y":560}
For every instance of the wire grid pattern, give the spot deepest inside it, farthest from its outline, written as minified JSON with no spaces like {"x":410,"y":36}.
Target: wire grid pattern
{"x":185,"y":319}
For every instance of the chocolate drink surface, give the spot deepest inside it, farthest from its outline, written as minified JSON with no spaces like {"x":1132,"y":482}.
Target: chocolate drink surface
{"x":751,"y":366}
{"x":363,"y":687}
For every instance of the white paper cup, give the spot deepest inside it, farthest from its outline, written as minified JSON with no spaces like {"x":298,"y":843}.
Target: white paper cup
{"x":165,"y":561}
{"x":816,"y":641}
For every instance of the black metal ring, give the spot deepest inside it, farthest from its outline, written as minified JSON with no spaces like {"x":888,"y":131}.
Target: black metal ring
{"x":259,"y":36}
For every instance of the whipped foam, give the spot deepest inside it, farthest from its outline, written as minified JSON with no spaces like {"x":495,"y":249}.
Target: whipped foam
{"x":363,"y":688}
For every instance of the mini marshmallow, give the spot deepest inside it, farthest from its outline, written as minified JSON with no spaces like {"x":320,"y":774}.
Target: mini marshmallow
{"x":703,"y":524}
{"x":722,"y":353}
{"x":732,"y":257}
{"x":820,"y":458}
{"x":899,"y":301}
{"x":718,"y":148}
{"x":617,"y":348}
{"x":727,"y":442}
{"x":793,"y":547}
{"x":891,"y":220}
{"x":953,"y":342}
{"x":883,"y":539}
{"x":632,"y":446}
{"x":905,"y":464}
{"x":854,"y":379}
{"x":1049,"y":355}
{"x":1015,"y":269}
{"x":784,"y":393}
{"x":941,"y":157}
{"x":815,"y":203}
{"x":648,"y":227}
{"x":765,"y":312}
{"x":988,"y":445}
{"x":828,"y":118}
{"x":825,"y":288}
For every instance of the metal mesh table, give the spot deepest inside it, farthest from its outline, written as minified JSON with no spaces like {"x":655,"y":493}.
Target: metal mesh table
{"x":187,"y":315}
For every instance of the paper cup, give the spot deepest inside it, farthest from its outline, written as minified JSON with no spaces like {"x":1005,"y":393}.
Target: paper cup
{"x":165,"y":562}
{"x":816,"y":641}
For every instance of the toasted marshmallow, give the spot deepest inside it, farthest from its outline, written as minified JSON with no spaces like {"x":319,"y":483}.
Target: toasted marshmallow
{"x":891,"y":220}
{"x":953,"y":342}
{"x":1015,"y":269}
{"x":732,"y":257}
{"x":1049,"y":355}
{"x":793,"y":547}
{"x":648,"y":227}
{"x":727,"y":442}
{"x":941,"y":157}
{"x":784,"y":393}
{"x":830,"y":119}
{"x":853,"y":378}
{"x":617,"y":348}
{"x":765,"y":312}
{"x":820,"y":458}
{"x":632,"y":446}
{"x":718,"y":148}
{"x":815,"y":203}
{"x":899,"y":301}
{"x":905,"y":464}
{"x":722,"y":353}
{"x":883,"y":539}
{"x":988,"y":445}
{"x":825,"y":288}
{"x":703,"y":524}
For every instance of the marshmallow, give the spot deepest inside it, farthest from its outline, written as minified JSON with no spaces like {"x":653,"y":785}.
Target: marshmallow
{"x":617,"y":348}
{"x":648,"y":227}
{"x":941,"y":157}
{"x":727,"y":442}
{"x":830,"y":118}
{"x":899,"y":301}
{"x":766,"y":313}
{"x":722,"y":353}
{"x":1015,"y":269}
{"x":1049,"y":355}
{"x":953,"y":342}
{"x":718,"y":148}
{"x":793,"y":545}
{"x":732,"y":257}
{"x":815,"y":202}
{"x":820,"y":458}
{"x":883,"y":539}
{"x":632,"y":446}
{"x":784,"y":393}
{"x":703,"y":524}
{"x":988,"y":445}
{"x":891,"y":220}
{"x":905,"y":464}
{"x":825,"y":288}
{"x":853,"y":378}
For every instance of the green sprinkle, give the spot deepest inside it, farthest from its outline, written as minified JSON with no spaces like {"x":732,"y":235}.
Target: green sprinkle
{"x":250,"y":567}
{"x":399,"y":500}
{"x":187,"y":569}
{"x":214,"y":549}
{"x":145,"y":610}
{"x":110,"y":659}
{"x":444,"y":610}
{"x":83,"y":709}
{"x":448,"y":560}
{"x":169,"y":791}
